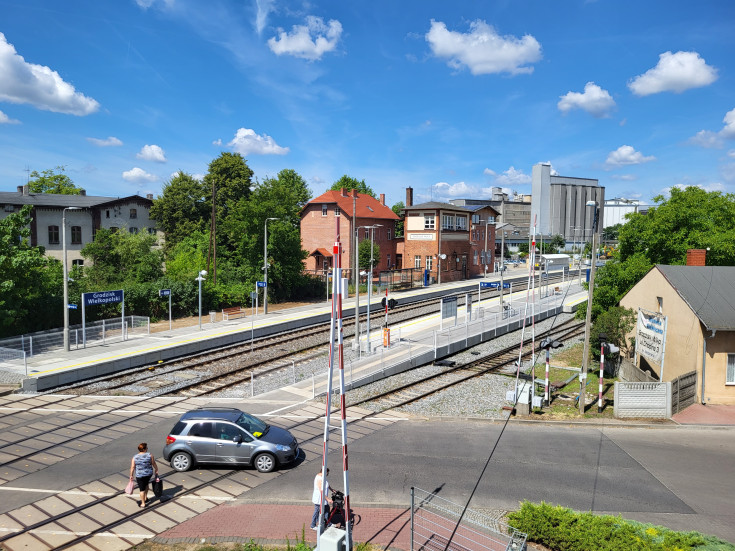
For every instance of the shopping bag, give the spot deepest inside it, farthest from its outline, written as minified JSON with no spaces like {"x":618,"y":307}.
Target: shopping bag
{"x":129,"y":488}
{"x":158,"y":487}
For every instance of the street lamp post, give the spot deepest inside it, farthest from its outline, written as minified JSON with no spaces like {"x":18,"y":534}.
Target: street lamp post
{"x":588,"y":321}
{"x":265,"y":265}
{"x":66,"y":276}
{"x":487,"y":221}
{"x":502,"y":254}
{"x":200,"y":278}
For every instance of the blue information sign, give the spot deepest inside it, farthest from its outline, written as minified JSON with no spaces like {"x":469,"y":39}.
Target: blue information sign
{"x":102,"y":297}
{"x":164,"y":292}
{"x":71,"y":306}
{"x":489,"y":285}
{"x":506,"y":285}
{"x":261,"y":284}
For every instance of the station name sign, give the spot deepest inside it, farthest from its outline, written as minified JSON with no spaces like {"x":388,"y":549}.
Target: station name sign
{"x":102,"y":297}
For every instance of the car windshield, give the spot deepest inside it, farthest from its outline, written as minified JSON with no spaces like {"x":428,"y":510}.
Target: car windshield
{"x":252,"y":424}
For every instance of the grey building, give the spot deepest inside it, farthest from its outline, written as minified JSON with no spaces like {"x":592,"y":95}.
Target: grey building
{"x":558,"y":204}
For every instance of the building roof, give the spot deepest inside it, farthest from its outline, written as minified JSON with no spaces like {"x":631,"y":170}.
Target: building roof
{"x":366,"y":207}
{"x":321,"y":251}
{"x":708,"y":290}
{"x":58,"y":200}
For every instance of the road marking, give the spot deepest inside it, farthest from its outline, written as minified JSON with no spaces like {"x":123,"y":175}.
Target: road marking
{"x":105,"y":494}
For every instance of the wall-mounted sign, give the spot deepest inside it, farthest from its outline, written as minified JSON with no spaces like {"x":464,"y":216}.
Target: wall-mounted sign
{"x":421,"y":237}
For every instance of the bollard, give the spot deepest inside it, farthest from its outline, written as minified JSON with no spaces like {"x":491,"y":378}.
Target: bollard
{"x":31,"y":345}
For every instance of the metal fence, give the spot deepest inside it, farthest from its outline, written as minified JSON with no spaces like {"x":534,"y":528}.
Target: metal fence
{"x":96,"y":333}
{"x":13,"y":358}
{"x":433,"y":522}
{"x":683,"y":391}
{"x":401,"y":279}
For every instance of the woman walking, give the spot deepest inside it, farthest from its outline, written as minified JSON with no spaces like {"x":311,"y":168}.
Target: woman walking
{"x":143,"y":466}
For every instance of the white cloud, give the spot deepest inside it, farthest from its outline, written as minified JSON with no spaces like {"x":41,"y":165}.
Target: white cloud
{"x":624,"y":177}
{"x":263,"y":8}
{"x":218,"y":141}
{"x":731,"y":153}
{"x":674,"y":73}
{"x":626,"y":155}
{"x":4,"y":119}
{"x":512,"y":177}
{"x":482,"y":50}
{"x":596,"y":101}
{"x":145,"y":4}
{"x":246,"y":141}
{"x":309,"y":41}
{"x":489,"y":172}
{"x":460,"y":189}
{"x":708,"y":138}
{"x":23,"y":82}
{"x":111,"y":141}
{"x":152,"y":153}
{"x":138,"y":176}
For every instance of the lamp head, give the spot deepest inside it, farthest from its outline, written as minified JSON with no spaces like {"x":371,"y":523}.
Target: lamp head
{"x":203,"y":273}
{"x":591,"y":203}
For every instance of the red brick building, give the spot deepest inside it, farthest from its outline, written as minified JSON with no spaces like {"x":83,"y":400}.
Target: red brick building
{"x":319,"y":220}
{"x":448,"y":240}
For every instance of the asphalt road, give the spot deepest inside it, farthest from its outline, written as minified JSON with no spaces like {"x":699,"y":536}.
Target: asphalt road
{"x":683,"y":478}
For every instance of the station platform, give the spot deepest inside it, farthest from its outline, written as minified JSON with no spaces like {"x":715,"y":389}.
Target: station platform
{"x":51,"y":369}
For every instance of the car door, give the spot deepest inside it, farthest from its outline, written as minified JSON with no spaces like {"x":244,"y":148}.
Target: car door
{"x":201,"y":443}
{"x":233,"y":444}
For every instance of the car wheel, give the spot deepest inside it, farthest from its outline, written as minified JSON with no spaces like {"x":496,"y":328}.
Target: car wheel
{"x":265,"y":462}
{"x":181,"y":461}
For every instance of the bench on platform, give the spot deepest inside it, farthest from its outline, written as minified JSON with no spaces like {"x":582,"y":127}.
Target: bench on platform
{"x":233,"y":311}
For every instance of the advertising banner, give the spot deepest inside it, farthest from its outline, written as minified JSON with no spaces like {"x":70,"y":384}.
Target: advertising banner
{"x":651,"y":336}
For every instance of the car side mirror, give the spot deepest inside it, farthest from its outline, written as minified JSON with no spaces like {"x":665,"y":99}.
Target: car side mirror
{"x":238,"y":439}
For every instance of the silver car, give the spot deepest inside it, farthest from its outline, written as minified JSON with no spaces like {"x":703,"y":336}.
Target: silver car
{"x":228,"y":436}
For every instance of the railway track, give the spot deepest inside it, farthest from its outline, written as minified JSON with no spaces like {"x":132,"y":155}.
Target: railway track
{"x":207,"y":374}
{"x":454,"y":375}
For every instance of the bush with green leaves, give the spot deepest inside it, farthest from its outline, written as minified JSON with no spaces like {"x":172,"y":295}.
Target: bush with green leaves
{"x":562,"y":529}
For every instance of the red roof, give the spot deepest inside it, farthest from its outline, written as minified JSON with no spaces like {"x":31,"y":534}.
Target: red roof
{"x":366,"y":207}
{"x":322,"y":251}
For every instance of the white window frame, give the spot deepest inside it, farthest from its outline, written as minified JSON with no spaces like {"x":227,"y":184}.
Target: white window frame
{"x":730,"y":370}
{"x":417,"y":261}
{"x":429,"y":262}
{"x":475,"y":218}
{"x":447,"y":221}
{"x":429,"y":222}
{"x":460,"y":223}
{"x":325,"y":209}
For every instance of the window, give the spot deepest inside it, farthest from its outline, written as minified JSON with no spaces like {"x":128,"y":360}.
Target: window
{"x":324,"y":209}
{"x":133,"y":213}
{"x":152,"y":231}
{"x":202,"y":430}
{"x":107,"y":213}
{"x":114,"y":229}
{"x":462,"y":223}
{"x":53,"y":235}
{"x":76,"y":235}
{"x":9,"y":208}
{"x":447,"y":222}
{"x":77,"y":262}
{"x":367,"y":234}
{"x":730,"y":369}
{"x":474,"y":259}
{"x":429,"y":262}
{"x":336,"y":211}
{"x":225,"y":431}
{"x":475,"y":218}
{"x":417,"y":261}
{"x":388,"y":260}
{"x":390,"y":233}
{"x":429,"y":222}
{"x":133,"y":230}
{"x":491,"y":219}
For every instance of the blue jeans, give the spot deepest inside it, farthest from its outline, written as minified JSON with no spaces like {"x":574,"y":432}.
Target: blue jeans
{"x":315,"y":516}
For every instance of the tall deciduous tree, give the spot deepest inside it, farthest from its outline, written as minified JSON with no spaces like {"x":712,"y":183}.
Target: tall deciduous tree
{"x":232,"y":179}
{"x":348,"y":183}
{"x":398,"y":210}
{"x":181,"y":209}
{"x":120,"y":257}
{"x":363,"y":254}
{"x":52,"y":181}
{"x":30,"y":283}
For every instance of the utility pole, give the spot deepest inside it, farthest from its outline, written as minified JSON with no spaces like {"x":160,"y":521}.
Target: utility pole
{"x":588,"y":319}
{"x":356,"y":277}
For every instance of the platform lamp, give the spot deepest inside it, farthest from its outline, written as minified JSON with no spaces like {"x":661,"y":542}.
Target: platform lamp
{"x":201,"y":277}
{"x":66,"y":276}
{"x":265,"y":264}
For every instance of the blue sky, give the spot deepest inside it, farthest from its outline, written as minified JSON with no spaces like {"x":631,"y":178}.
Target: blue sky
{"x":451,"y":98}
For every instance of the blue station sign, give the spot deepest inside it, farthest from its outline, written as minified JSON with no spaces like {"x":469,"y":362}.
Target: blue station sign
{"x":102,"y":297}
{"x":261,"y":284}
{"x":164,"y":292}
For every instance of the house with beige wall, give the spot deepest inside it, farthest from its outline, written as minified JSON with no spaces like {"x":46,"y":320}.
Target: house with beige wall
{"x":699,"y":305}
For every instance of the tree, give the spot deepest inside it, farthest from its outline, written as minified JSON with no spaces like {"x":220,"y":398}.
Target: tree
{"x":398,"y":210}
{"x":615,"y":323}
{"x":181,"y":209}
{"x":363,"y":254}
{"x":557,"y":242}
{"x":691,"y":218}
{"x":232,"y":179}
{"x":120,"y":257}
{"x":30,"y":283}
{"x":349,"y":183}
{"x":611,"y":233}
{"x":50,"y":181}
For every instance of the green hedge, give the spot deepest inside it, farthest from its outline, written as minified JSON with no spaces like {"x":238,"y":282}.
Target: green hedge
{"x":562,"y":529}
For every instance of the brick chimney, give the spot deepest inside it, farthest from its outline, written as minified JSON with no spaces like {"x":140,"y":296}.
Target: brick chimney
{"x":409,"y":196}
{"x":20,"y":189}
{"x":353,"y":193}
{"x":343,"y":192}
{"x":382,"y":198}
{"x":83,"y":192}
{"x":26,"y":190}
{"x":696,"y":257}
{"x":149,"y":196}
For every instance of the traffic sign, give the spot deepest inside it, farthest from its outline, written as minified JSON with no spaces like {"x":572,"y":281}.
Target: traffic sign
{"x":253,"y":295}
{"x":71,"y":306}
{"x":164,"y":292}
{"x":261,"y":284}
